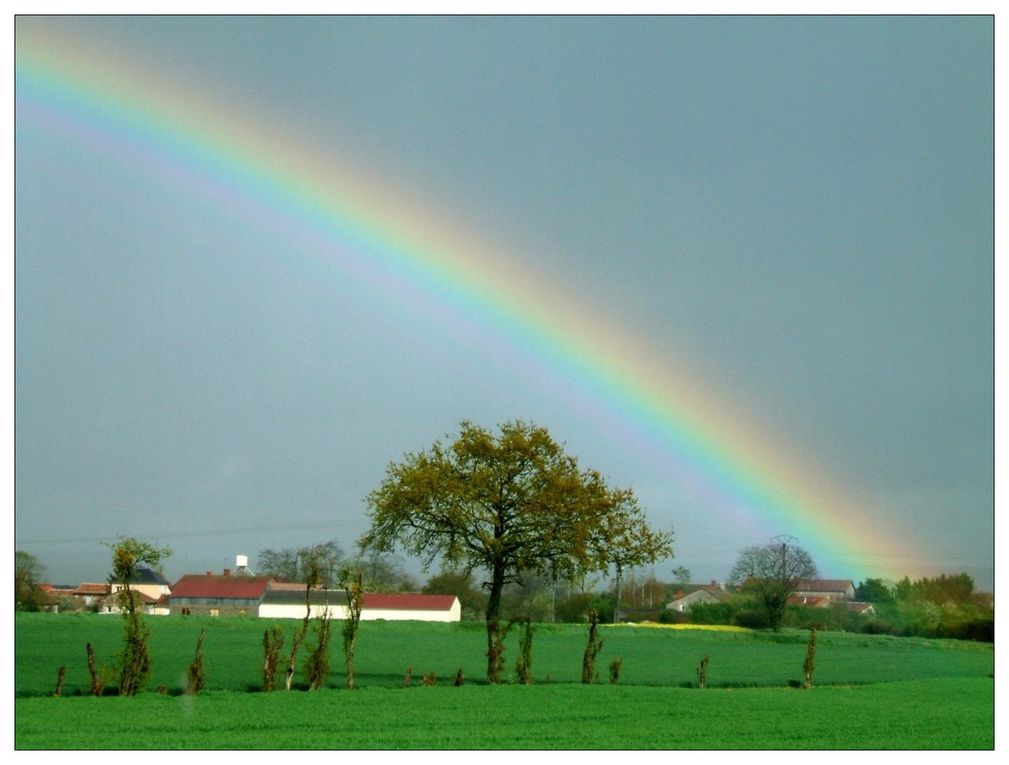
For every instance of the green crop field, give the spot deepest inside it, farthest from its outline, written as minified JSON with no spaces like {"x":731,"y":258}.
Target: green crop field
{"x":871,"y":692}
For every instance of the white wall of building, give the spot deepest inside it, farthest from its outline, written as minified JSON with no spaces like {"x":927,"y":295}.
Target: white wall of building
{"x":291,"y":611}
{"x":397,"y":614}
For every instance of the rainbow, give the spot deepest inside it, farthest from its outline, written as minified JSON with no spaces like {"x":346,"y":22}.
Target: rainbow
{"x":370,"y":228}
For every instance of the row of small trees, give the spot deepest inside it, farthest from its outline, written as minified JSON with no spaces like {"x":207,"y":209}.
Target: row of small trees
{"x":133,"y":662}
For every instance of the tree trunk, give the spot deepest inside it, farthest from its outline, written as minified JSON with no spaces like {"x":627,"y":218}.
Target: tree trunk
{"x":194,"y":683}
{"x":96,"y":680}
{"x":495,"y":651}
{"x":292,"y":661}
{"x":809,"y":664}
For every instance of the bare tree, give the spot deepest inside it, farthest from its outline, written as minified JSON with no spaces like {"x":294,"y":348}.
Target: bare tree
{"x":771,"y":573}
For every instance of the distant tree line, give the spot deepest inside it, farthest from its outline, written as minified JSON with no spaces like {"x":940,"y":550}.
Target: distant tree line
{"x":947,"y":606}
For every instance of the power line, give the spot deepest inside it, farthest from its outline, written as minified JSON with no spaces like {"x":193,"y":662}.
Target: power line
{"x":190,"y":534}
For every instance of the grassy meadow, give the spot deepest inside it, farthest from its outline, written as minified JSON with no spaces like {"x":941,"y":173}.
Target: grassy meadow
{"x":871,"y":691}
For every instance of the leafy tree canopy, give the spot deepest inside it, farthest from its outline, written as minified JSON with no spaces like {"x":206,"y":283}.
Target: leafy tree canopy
{"x":874,"y":591}
{"x":955,"y":589}
{"x":129,"y":555}
{"x":459,"y":583}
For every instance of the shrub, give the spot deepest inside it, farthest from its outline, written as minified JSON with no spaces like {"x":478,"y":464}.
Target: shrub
{"x":724,"y":612}
{"x":753,"y":618}
{"x":673,"y":617}
{"x":615,"y":666}
{"x":879,"y":627}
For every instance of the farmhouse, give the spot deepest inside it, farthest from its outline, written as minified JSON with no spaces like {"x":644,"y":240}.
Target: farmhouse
{"x":111,"y":604}
{"x":145,"y":581}
{"x":833,"y":589}
{"x":697,"y":593}
{"x":90,"y":593}
{"x":218,"y":595}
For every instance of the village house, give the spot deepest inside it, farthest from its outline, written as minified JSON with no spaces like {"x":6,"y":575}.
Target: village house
{"x":697,"y":593}
{"x":90,"y":593}
{"x":112,"y":604}
{"x":833,"y":589}
{"x":218,"y":595}
{"x":149,"y":588}
{"x":147,"y":582}
{"x":825,"y":593}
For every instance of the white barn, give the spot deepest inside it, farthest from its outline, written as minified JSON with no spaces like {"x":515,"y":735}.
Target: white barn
{"x":428,"y":608}
{"x":287,"y":601}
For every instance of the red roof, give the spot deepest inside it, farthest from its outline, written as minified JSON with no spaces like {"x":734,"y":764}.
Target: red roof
{"x":143,"y":597}
{"x":90,"y":588}
{"x":213,"y":586}
{"x":409,"y":602}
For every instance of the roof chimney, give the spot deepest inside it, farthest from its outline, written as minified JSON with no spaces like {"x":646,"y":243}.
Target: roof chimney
{"x":227,"y":572}
{"x":210,"y":573}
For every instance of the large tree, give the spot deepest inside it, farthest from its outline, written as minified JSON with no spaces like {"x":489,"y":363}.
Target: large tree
{"x":508,"y":504}
{"x":771,"y":573}
{"x":28,"y":573}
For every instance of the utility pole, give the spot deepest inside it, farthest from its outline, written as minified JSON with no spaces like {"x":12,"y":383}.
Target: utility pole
{"x":783,"y":538}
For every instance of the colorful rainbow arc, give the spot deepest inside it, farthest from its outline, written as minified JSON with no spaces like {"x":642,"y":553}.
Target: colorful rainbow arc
{"x":384,"y":237}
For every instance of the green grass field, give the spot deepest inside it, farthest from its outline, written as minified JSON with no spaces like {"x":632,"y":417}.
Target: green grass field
{"x":872,"y":692}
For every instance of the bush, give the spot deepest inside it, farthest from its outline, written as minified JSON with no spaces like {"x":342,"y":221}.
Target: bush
{"x":981,"y":630}
{"x":753,"y":618}
{"x":724,"y":612}
{"x":574,"y":608}
{"x":673,"y":617}
{"x":879,"y":627}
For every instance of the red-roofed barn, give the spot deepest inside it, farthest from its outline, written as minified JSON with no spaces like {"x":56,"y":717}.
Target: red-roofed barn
{"x":218,"y":595}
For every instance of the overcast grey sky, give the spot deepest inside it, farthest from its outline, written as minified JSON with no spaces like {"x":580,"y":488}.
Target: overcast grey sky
{"x":800,"y":209}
